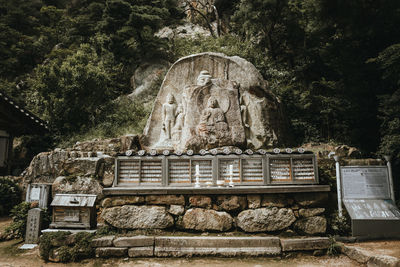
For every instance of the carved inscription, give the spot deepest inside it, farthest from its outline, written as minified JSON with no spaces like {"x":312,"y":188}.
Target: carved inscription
{"x":33,"y":226}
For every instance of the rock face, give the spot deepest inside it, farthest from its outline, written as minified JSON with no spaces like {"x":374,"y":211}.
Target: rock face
{"x":265,"y":219}
{"x":76,"y":185}
{"x":311,"y":225}
{"x":210,"y":100}
{"x":200,"y":201}
{"x":146,"y":76}
{"x":138,"y":217}
{"x":202,"y":219}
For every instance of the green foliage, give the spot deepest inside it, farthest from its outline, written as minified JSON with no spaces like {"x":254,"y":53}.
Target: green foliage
{"x":334,"y":248}
{"x":69,"y":247}
{"x":71,"y":91}
{"x":19,"y":214}
{"x":46,"y":242}
{"x":10,"y":195}
{"x":340,"y":225}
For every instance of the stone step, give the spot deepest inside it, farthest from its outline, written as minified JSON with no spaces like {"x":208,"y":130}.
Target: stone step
{"x":308,"y":243}
{"x":216,"y":246}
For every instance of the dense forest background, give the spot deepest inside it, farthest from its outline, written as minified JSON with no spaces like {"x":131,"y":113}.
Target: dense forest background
{"x":335,"y":64}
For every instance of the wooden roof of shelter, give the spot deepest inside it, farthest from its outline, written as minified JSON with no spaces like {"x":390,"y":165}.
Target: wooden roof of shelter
{"x":74,"y":200}
{"x":17,"y":120}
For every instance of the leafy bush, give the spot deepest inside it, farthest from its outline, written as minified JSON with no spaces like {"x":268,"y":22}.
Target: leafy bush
{"x":68,"y":247}
{"x":19,"y":214}
{"x":46,"y":242}
{"x":10,"y":195}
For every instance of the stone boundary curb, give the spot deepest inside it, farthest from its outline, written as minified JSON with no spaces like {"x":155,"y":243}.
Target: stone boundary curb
{"x":172,"y":246}
{"x":366,"y":257}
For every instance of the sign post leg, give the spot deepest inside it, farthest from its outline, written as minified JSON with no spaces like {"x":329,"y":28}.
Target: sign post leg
{"x":339,"y":186}
{"x":389,"y":166}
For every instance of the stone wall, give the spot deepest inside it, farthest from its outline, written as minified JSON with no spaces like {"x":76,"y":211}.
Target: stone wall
{"x":301,"y":213}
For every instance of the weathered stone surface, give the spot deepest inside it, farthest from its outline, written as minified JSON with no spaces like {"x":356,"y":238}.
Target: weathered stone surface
{"x":311,"y":212}
{"x":176,"y":209}
{"x":147,"y":76}
{"x":111,"y":252}
{"x":105,"y":241}
{"x":134,"y":241}
{"x":311,"y":225}
{"x":254,"y":201}
{"x":216,"y":246}
{"x":77,"y":185}
{"x":107,"y":172}
{"x":138,"y":217}
{"x":311,"y":199}
{"x":265,"y":219}
{"x":121,"y":200}
{"x":45,"y":167}
{"x":384,"y":261}
{"x":310,"y":243}
{"x":83,"y":166}
{"x":187,"y":30}
{"x":356,"y":254}
{"x":276,"y":200}
{"x":204,"y":219}
{"x":200,"y":201}
{"x":141,"y":252}
{"x":241,"y":110}
{"x":230,"y":203}
{"x":165,"y":199}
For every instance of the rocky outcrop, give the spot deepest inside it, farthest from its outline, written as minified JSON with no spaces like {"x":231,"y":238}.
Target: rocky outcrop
{"x":311,"y":225}
{"x":138,"y":217}
{"x":265,"y":219}
{"x":206,"y":220}
{"x":254,"y":201}
{"x":77,"y":185}
{"x":147,"y":77}
{"x":90,"y":158}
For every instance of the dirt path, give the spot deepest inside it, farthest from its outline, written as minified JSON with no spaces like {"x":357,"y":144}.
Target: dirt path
{"x":11,"y":256}
{"x":390,"y":248}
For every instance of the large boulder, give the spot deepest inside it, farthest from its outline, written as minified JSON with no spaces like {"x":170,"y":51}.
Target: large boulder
{"x":205,"y":219}
{"x":138,"y":217}
{"x":77,"y":185}
{"x":212,"y":100}
{"x":311,"y":225}
{"x":265,"y":219}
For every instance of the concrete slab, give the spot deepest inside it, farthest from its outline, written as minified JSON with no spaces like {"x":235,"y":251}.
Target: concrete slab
{"x":28,"y":246}
{"x":68,"y":230}
{"x":308,"y":243}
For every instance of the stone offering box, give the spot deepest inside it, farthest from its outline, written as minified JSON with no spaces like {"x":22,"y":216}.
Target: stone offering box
{"x":74,"y":211}
{"x":215,"y":170}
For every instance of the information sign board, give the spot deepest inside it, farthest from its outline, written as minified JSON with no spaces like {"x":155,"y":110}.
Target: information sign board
{"x":365,"y":182}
